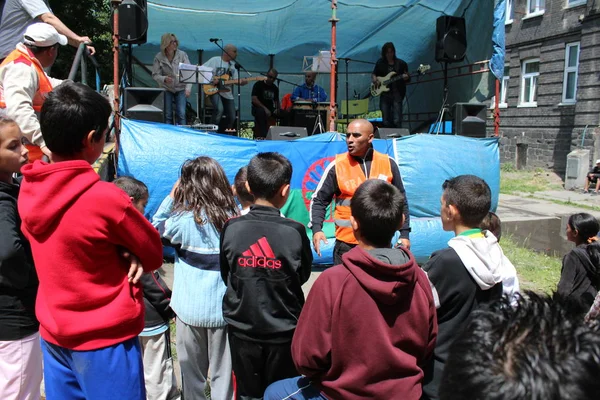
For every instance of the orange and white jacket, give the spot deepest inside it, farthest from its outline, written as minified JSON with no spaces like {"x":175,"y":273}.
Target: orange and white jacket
{"x":19,"y":86}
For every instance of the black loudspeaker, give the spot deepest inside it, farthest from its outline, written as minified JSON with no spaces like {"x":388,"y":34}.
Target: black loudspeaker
{"x":451,"y":43}
{"x":390,"y":133}
{"x":133,"y":21}
{"x":308,"y":118}
{"x":469,"y":119}
{"x":146,"y":104}
{"x":286,"y":133}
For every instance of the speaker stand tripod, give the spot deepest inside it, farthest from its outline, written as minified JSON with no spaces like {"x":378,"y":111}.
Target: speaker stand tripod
{"x":318,"y":124}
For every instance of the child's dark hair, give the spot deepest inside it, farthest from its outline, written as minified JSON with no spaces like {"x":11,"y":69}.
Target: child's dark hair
{"x":134,"y":188}
{"x":70,"y":112}
{"x":267,"y":173}
{"x":538,"y":349}
{"x":587,"y":228}
{"x":204,"y":190}
{"x":378,"y":207}
{"x":470,"y":195}
{"x":491,"y":222}
{"x":240,"y":186}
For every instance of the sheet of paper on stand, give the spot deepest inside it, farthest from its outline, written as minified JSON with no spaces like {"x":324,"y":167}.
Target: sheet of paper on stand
{"x":190,"y":73}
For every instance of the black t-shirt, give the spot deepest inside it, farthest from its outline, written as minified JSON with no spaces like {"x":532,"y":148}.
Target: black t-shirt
{"x":268,"y":95}
{"x":382,"y":68}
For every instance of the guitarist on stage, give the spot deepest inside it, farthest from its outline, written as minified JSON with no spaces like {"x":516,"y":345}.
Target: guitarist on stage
{"x":390,"y":102}
{"x":223,"y":102}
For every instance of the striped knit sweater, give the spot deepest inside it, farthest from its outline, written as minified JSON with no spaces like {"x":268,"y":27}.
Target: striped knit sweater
{"x":198,"y":289}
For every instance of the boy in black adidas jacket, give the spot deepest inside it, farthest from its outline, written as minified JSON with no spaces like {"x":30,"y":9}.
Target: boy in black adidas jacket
{"x":265,"y":259}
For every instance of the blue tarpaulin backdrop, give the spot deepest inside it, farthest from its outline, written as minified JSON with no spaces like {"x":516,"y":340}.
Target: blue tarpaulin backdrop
{"x":154,"y":153}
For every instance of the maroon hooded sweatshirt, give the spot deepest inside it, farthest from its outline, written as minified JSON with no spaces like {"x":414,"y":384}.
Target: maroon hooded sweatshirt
{"x":368,"y":327}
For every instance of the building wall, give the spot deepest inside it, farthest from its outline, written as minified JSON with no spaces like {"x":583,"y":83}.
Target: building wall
{"x":543,"y":135}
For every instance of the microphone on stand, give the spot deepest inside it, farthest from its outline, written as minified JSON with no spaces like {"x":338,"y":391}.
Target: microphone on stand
{"x":214,"y":40}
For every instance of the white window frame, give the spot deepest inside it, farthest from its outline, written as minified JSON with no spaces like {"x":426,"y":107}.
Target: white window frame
{"x":504,"y":90}
{"x":509,"y":10}
{"x":575,"y":3}
{"x":539,"y":10}
{"x":568,"y":48}
{"x":533,"y":76}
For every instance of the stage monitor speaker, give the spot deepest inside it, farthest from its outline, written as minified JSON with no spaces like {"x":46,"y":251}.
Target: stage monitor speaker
{"x":146,"y":104}
{"x":451,"y":43}
{"x":286,"y":133}
{"x":391,"y":133}
{"x":469,"y":119}
{"x":133,"y":21}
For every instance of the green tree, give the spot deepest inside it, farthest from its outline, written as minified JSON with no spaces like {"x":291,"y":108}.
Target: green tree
{"x":90,"y":18}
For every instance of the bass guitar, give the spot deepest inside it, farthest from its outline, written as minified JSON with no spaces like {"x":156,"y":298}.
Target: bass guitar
{"x":224,"y":80}
{"x":386,"y":81}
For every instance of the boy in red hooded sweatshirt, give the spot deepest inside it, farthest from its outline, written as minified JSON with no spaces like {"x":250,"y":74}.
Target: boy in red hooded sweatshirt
{"x":369,"y":325}
{"x":89,"y":303}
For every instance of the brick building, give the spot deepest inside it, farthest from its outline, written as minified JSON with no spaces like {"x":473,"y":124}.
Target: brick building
{"x":551,"y":89}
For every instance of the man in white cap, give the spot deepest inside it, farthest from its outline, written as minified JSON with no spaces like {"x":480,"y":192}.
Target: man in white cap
{"x":17,"y":15}
{"x":593,"y":176}
{"x":24,"y":83}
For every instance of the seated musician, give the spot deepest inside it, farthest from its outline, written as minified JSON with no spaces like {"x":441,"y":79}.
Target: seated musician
{"x":309,"y":91}
{"x":265,"y":104}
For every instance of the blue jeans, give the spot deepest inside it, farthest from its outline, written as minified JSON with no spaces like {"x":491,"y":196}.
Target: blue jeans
{"x":391,"y":112}
{"x":222,"y":106}
{"x":298,"y":388}
{"x":114,"y":372}
{"x":180,"y":102}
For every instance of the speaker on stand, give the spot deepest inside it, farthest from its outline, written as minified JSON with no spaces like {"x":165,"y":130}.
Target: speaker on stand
{"x":133,"y":27}
{"x":451,"y":46}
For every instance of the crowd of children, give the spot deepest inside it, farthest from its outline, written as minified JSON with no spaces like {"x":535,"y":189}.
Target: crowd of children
{"x":376,"y":326}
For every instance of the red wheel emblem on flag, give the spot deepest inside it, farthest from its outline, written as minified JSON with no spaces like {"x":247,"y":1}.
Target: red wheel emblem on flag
{"x":311,"y":181}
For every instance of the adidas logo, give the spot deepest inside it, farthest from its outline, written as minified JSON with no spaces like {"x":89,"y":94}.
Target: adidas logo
{"x":259,"y":255}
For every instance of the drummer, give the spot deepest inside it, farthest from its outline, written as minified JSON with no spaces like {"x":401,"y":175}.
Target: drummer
{"x":309,"y":91}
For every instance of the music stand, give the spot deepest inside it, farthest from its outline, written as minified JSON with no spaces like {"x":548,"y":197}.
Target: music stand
{"x":196,"y":74}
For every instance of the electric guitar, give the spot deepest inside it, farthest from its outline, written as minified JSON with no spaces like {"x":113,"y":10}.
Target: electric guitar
{"x":224,"y":80}
{"x":387,"y":80}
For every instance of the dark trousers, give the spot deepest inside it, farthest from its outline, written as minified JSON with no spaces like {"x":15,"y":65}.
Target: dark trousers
{"x":391,"y":111}
{"x":339,"y":248}
{"x":261,"y":122}
{"x":222,"y":106}
{"x":257,"y":365}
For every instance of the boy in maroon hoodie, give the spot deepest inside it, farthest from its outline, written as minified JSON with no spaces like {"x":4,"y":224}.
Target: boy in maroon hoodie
{"x":369,"y":325}
{"x":89,"y":303}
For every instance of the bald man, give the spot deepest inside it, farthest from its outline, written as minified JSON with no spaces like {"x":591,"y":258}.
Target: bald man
{"x":340,"y":180}
{"x":309,"y":91}
{"x":223,"y":103}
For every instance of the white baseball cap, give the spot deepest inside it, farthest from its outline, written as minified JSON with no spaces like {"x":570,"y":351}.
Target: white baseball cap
{"x":41,"y":34}
{"x":598,"y":161}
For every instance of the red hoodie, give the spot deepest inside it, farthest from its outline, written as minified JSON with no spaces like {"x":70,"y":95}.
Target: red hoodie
{"x":367,"y":328}
{"x":77,"y":226}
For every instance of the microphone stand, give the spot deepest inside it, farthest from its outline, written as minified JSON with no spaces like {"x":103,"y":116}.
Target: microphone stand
{"x":347,"y":60}
{"x":238,"y":66}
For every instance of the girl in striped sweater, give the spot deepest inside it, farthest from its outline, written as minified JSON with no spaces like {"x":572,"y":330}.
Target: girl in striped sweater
{"x":190,"y":219}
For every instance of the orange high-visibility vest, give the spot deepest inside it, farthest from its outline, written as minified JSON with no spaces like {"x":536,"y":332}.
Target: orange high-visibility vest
{"x":44,"y":87}
{"x":350,"y":174}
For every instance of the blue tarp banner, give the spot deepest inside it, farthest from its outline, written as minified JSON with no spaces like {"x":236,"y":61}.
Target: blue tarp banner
{"x":153,"y":153}
{"x":497,"y":60}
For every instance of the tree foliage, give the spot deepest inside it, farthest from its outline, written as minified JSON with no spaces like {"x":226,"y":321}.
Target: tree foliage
{"x":90,"y":18}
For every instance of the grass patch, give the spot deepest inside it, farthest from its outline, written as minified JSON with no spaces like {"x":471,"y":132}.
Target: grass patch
{"x":570,"y":203}
{"x":536,"y":271}
{"x":514,"y":182}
